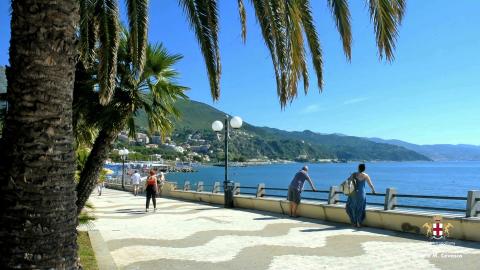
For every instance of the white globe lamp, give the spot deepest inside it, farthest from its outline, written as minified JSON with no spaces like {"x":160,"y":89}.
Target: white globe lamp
{"x":217,"y":126}
{"x":236,"y":122}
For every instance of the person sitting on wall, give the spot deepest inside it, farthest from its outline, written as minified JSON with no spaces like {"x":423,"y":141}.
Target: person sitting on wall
{"x":296,"y":187}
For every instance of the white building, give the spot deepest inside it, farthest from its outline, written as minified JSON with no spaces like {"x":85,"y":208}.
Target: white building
{"x":142,"y":138}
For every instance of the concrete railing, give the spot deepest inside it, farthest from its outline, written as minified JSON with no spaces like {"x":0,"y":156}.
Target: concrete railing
{"x":389,"y":197}
{"x":386,"y":217}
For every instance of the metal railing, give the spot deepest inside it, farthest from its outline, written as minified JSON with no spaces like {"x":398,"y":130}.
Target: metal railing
{"x":447,"y":209}
{"x":472,"y":199}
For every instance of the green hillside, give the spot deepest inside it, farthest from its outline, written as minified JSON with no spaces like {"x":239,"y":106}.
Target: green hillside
{"x":260,"y":142}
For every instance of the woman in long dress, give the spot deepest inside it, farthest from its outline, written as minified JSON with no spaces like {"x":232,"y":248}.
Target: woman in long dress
{"x":357,"y":201}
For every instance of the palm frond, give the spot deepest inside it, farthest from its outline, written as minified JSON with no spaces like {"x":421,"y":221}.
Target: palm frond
{"x":386,"y":16}
{"x":284,"y":25}
{"x":269,"y":39}
{"x":107,"y":21}
{"x":131,"y":127}
{"x":341,"y":15}
{"x":243,"y":19}
{"x":138,"y":23}
{"x":312,"y":39}
{"x":296,"y":50}
{"x":196,"y":12}
{"x":275,"y":13}
{"x":87,"y":32}
{"x":399,"y":8}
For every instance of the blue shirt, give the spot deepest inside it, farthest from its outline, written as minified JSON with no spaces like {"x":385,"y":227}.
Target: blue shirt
{"x":299,"y":180}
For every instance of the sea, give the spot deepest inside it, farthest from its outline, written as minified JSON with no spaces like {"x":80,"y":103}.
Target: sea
{"x":414,"y":178}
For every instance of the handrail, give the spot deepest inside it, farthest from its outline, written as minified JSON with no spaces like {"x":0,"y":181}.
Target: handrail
{"x":248,"y":193}
{"x":376,"y":194}
{"x":315,"y":199}
{"x":429,"y":197}
{"x":273,"y":195}
{"x":374,"y":203}
{"x":368,"y":193}
{"x":318,"y":191}
{"x":430,"y":208}
{"x":277,"y":189}
{"x":390,"y":198}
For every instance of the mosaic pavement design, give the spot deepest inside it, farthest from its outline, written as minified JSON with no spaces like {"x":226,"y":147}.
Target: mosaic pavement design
{"x":190,"y":235}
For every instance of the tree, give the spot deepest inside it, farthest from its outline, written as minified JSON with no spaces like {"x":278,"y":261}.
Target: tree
{"x":37,"y":165}
{"x":152,"y":90}
{"x":38,"y":217}
{"x":284,"y":24}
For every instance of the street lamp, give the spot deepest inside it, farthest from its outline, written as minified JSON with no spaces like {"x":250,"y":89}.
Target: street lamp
{"x":123,"y":154}
{"x":217,"y":126}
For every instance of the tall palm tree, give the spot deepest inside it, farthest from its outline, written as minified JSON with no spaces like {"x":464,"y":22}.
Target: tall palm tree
{"x":284,"y":25}
{"x":152,"y":90}
{"x":38,"y":215}
{"x":37,"y":168}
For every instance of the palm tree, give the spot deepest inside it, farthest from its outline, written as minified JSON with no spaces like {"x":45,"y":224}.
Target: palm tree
{"x":37,"y":165}
{"x":100,"y":36}
{"x":38,"y":215}
{"x":284,"y":25}
{"x":152,"y":90}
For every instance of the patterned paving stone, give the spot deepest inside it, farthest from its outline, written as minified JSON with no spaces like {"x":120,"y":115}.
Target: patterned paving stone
{"x":190,"y":235}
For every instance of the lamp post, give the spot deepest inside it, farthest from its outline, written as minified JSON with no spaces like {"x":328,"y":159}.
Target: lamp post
{"x":217,"y":126}
{"x":123,"y":154}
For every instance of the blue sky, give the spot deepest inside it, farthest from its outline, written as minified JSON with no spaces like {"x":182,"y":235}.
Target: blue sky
{"x":429,"y":94}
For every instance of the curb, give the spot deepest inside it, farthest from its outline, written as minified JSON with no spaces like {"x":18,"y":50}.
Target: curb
{"x":104,"y":259}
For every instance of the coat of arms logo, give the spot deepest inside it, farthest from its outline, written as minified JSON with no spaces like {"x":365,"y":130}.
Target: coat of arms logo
{"x":437,"y":230}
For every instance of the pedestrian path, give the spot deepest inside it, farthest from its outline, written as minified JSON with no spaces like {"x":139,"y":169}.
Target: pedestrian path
{"x":191,"y":235}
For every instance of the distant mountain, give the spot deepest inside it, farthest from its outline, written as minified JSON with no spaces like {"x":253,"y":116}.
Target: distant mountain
{"x":439,"y":152}
{"x":350,"y":147}
{"x":261,"y":142}
{"x":255,"y":142}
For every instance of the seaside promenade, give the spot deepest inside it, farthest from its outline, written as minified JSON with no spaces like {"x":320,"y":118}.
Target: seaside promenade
{"x":192,"y":235}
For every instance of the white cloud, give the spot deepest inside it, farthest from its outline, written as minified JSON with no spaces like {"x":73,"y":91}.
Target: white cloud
{"x":354,"y":100}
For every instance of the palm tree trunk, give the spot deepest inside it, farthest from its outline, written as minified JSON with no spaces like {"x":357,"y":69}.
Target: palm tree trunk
{"x":89,"y":175}
{"x":38,"y":217}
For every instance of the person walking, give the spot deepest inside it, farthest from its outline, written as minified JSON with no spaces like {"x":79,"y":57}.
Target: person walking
{"x":161,"y":181}
{"x":136,"y":182}
{"x":100,"y":185}
{"x":296,"y":187}
{"x":151,"y":188}
{"x":357,"y":200}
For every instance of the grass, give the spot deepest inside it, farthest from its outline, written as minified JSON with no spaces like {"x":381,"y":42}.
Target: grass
{"x":85,"y":251}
